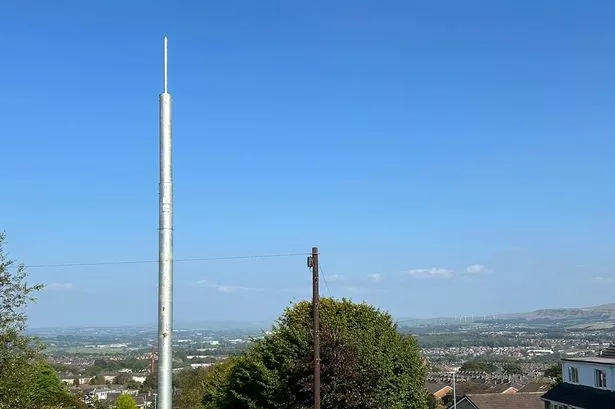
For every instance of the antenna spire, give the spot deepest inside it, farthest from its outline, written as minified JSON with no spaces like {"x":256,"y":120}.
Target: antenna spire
{"x":166,"y":52}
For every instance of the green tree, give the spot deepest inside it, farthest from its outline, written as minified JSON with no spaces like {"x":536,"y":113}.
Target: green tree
{"x":554,"y":372}
{"x":182,"y":355}
{"x":125,"y":402}
{"x":122,"y":379}
{"x":365,"y":363}
{"x":97,"y":380}
{"x":76,"y":382}
{"x":432,"y":401}
{"x":512,"y":368}
{"x":132,"y":384}
{"x":27,"y":381}
{"x":93,"y":370}
{"x":195,"y":384}
{"x":476,"y":365}
{"x":15,"y":292}
{"x":151,"y":382}
{"x":100,"y":404}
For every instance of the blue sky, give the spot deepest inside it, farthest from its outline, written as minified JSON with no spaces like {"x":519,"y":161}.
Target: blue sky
{"x":447,"y":157}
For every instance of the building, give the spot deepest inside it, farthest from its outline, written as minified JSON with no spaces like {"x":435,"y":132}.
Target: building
{"x":139,"y":378}
{"x":69,"y":379}
{"x":110,"y":376}
{"x":588,"y":383}
{"x":501,"y":401}
{"x":439,"y":391}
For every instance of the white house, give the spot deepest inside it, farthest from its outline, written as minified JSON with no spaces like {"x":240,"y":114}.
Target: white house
{"x":595,"y":372}
{"x":139,"y":378}
{"x":588,"y":383}
{"x":70,"y":379}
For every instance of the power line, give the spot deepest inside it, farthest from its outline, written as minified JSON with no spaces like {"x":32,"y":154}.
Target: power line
{"x":322,"y":273}
{"x":181,"y":260}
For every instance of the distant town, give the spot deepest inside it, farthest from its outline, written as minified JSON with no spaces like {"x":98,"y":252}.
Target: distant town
{"x":501,"y":354}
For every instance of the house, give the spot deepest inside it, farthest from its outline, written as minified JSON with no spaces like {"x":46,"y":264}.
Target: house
{"x":501,"y":401}
{"x":439,"y":391}
{"x":104,"y":393}
{"x":139,"y":378}
{"x":110,"y":376}
{"x":84,"y":380}
{"x":144,"y":402}
{"x":588,"y":383}
{"x":69,"y":379}
{"x":96,"y":394}
{"x":477,"y":388}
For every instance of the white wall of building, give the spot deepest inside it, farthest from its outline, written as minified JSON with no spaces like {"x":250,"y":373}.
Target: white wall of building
{"x":586,"y":373}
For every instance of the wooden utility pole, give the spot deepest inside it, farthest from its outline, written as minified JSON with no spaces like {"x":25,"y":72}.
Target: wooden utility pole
{"x":313,"y":263}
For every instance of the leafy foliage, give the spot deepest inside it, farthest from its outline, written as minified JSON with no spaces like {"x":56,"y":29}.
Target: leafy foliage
{"x":476,"y":365}
{"x":132,"y":384}
{"x":365,"y":364}
{"x":101,"y":404}
{"x":103,"y":365}
{"x":512,"y":368}
{"x":125,"y":402}
{"x":15,"y":293}
{"x":554,"y":372}
{"x":197,"y":383}
{"x":97,"y":380}
{"x":27,"y":381}
{"x":150,"y":383}
{"x":122,"y":379}
{"x":433,"y":402}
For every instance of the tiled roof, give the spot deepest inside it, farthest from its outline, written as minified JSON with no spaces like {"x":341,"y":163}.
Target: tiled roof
{"x":436,"y":387}
{"x":465,"y":388}
{"x":470,"y":388}
{"x":609,"y":352}
{"x":507,"y":401}
{"x":442,"y":392}
{"x":535,"y":387}
{"x":581,"y":396}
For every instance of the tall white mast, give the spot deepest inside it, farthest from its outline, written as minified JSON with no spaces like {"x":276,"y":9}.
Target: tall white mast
{"x":165,"y":249}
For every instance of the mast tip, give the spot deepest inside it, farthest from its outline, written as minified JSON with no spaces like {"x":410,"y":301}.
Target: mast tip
{"x":165,"y":52}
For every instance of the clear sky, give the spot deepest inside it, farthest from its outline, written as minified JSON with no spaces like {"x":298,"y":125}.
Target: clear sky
{"x":448,"y":157}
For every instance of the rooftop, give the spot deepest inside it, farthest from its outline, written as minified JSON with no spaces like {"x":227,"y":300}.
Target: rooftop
{"x":506,"y":401}
{"x":608,"y":352}
{"x":535,"y":387}
{"x":592,"y":360}
{"x":581,"y":396}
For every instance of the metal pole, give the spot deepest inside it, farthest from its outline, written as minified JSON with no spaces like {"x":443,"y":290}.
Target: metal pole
{"x":316,"y":324}
{"x":165,"y":250}
{"x":454,"y":392}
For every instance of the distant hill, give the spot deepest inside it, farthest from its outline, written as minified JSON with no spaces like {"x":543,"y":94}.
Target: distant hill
{"x":597,"y":317}
{"x":225,"y":325}
{"x":178,"y":325}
